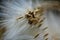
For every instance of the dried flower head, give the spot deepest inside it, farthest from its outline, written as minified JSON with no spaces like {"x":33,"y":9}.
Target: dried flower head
{"x":34,"y":17}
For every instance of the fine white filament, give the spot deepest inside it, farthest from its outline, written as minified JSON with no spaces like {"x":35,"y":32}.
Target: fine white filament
{"x":20,"y":29}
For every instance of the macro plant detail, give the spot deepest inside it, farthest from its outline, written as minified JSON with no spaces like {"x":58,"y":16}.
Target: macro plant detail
{"x":29,"y":20}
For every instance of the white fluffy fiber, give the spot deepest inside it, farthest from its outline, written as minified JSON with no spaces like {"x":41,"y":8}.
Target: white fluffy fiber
{"x":20,"y":30}
{"x":17,"y":30}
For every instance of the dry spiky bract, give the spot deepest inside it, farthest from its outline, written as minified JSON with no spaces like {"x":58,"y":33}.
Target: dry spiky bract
{"x":34,"y":17}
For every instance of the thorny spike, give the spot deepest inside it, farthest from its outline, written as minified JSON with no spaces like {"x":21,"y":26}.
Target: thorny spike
{"x":45,"y":28}
{"x":42,"y":20}
{"x":46,"y":35}
{"x":19,"y":18}
{"x":36,"y":36}
{"x":41,"y":23}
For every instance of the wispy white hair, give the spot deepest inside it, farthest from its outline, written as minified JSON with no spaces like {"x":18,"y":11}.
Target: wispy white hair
{"x":16,"y":30}
{"x":21,"y":30}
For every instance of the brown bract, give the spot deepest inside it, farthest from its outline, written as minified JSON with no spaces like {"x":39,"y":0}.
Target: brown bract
{"x":34,"y":17}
